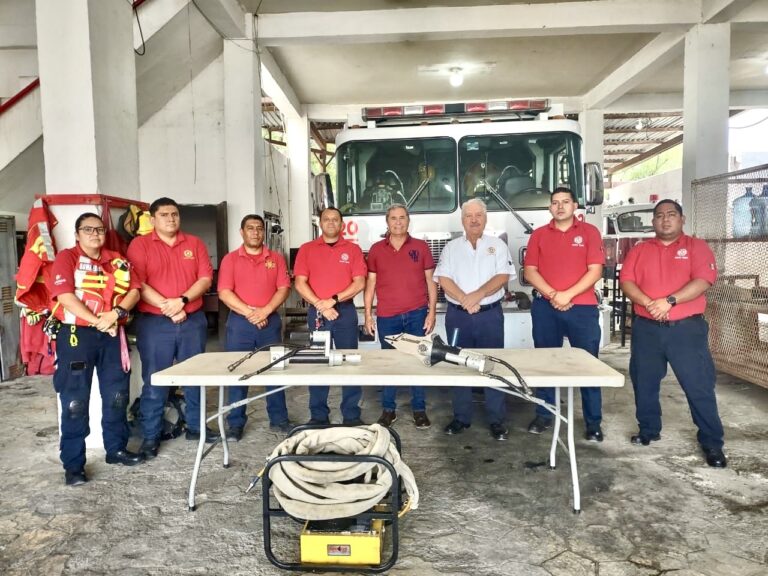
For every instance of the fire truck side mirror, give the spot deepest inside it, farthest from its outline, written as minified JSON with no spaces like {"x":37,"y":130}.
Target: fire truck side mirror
{"x":593,"y":184}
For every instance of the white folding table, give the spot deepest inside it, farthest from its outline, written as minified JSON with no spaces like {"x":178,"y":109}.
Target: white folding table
{"x":557,"y":368}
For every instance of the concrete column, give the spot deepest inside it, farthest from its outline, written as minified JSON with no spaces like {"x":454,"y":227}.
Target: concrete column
{"x":88,"y":105}
{"x":591,"y":122}
{"x":705,"y":104}
{"x":299,"y":181}
{"x":88,"y":97}
{"x":243,"y":141}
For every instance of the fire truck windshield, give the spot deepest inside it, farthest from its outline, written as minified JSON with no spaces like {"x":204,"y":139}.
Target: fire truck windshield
{"x":435,"y":175}
{"x":519,"y":169}
{"x":374,"y":174}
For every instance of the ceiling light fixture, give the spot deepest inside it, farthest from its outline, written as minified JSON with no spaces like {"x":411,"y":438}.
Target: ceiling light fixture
{"x":639,"y":125}
{"x":456,"y":78}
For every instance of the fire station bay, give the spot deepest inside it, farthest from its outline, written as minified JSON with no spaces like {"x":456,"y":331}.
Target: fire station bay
{"x":466,"y":288}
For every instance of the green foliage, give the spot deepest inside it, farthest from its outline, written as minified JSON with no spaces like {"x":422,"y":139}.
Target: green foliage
{"x":671,"y":159}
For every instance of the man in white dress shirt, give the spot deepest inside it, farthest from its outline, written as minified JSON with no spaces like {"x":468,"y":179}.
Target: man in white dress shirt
{"x":473,"y":271}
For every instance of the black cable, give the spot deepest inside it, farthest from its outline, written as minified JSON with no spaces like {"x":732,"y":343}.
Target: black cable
{"x":285,"y":356}
{"x":520,"y":379}
{"x":141,"y":33}
{"x":234,"y":365}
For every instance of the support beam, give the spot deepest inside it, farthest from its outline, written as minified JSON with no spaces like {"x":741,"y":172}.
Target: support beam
{"x":276,"y":86}
{"x":717,"y":11}
{"x":649,"y":60}
{"x":225,"y":16}
{"x":299,"y":181}
{"x":452,"y":23}
{"x":705,"y":104}
{"x":645,"y":155}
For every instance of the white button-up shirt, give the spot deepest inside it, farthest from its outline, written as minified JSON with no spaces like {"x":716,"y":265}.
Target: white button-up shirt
{"x":471,"y":267}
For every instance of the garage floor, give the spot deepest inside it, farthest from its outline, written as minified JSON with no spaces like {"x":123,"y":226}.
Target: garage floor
{"x":488,"y":508}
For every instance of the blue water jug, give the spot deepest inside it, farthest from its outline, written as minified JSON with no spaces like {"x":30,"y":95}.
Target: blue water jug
{"x":742,"y":215}
{"x":759,"y":208}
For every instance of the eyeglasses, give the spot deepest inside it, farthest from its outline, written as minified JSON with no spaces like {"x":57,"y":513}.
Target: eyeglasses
{"x":90,"y":230}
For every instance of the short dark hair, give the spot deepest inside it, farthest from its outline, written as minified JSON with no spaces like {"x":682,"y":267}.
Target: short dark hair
{"x":564,"y":190}
{"x":164,"y":201}
{"x":250,"y":217}
{"x":668,"y":201}
{"x":85,"y":216}
{"x":332,"y":208}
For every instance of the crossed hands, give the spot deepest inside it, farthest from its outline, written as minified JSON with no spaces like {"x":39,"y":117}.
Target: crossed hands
{"x":107,"y":322}
{"x":560,"y":301}
{"x":659,"y":309}
{"x":259,"y":317}
{"x":471,"y":301}
{"x":327,"y":308}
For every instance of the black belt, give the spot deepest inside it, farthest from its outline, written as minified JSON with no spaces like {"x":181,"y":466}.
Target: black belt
{"x":483,"y":308}
{"x":668,"y":323}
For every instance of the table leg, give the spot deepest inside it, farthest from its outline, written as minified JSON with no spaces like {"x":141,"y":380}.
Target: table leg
{"x":555,"y":430}
{"x":572,"y":455}
{"x":200,"y":449}
{"x":221,"y":428}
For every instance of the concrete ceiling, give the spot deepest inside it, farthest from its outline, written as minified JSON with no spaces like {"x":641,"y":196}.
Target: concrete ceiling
{"x":347,"y":52}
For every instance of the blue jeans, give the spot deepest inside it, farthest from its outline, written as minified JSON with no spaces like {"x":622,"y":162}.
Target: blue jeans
{"x":480,"y":330}
{"x":685,"y":346}
{"x":344,"y":335}
{"x":411,"y":323}
{"x":582,"y":327}
{"x":160,"y":342}
{"x":78,"y":353}
{"x":242,"y":336}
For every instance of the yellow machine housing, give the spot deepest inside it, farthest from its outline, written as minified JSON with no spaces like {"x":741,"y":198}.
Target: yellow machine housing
{"x":320,"y":546}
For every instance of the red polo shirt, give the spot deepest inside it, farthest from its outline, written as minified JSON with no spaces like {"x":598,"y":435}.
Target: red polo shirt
{"x":400,"y":282}
{"x":562,"y":257}
{"x":329,"y":269}
{"x":169,"y":269}
{"x":660,"y":270}
{"x":254,"y":278}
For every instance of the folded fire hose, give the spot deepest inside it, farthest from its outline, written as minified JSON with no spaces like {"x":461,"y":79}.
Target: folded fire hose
{"x":324,"y":490}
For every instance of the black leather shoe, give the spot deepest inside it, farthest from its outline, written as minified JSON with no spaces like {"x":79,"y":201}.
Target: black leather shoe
{"x":125,"y":458}
{"x":455,"y":427}
{"x":594,"y":434}
{"x":318,"y":422}
{"x":354,"y":422}
{"x":715,"y":457}
{"x":387,"y":418}
{"x":150,"y":449}
{"x":210,"y":435}
{"x":539,"y":424}
{"x":235,"y":434}
{"x":499,"y":432}
{"x":74,"y":477}
{"x":285,"y":427}
{"x":644,"y":439}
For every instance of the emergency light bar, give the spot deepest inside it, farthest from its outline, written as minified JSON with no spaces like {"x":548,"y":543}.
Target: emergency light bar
{"x":456,"y":109}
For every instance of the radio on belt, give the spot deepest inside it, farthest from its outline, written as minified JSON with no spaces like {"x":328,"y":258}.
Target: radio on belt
{"x":319,"y":352}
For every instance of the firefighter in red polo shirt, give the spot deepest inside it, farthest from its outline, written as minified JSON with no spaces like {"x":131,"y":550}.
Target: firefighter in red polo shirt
{"x":329,"y":273}
{"x":400,"y":270}
{"x":173,"y":271}
{"x":666,"y":278}
{"x":563,"y":261}
{"x":91,"y":289}
{"x":253,"y":283}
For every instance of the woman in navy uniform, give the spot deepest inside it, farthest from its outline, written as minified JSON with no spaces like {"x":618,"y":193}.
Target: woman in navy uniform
{"x":90,"y":287}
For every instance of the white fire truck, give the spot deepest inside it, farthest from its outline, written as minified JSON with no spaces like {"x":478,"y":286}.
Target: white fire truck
{"x":432,"y":158}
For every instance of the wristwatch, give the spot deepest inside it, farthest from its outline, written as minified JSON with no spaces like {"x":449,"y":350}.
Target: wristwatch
{"x":184,"y":299}
{"x":671,"y":300}
{"x":335,"y":298}
{"x":121,"y":312}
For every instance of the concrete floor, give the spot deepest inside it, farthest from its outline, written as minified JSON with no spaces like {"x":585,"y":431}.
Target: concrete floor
{"x":487,"y":509}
